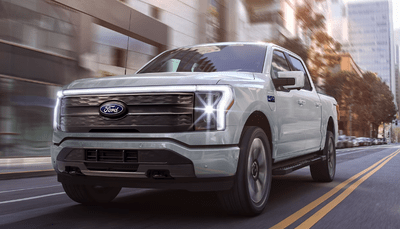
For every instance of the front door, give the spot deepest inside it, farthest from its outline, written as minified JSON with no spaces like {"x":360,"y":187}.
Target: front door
{"x":289,"y":140}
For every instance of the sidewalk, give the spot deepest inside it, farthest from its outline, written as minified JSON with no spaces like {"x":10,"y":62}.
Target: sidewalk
{"x":24,"y":167}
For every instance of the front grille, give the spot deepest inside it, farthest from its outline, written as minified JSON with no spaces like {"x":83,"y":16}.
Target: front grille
{"x":111,"y":155}
{"x":186,"y":98}
{"x":130,"y":120}
{"x":147,"y":113}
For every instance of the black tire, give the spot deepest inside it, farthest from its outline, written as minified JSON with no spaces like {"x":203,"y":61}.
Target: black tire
{"x":252,"y":185}
{"x":324,"y":171}
{"x":86,"y":194}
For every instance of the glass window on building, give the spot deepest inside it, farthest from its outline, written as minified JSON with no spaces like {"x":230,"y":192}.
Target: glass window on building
{"x":139,"y":53}
{"x":117,"y":54}
{"x":26,"y":117}
{"x":215,"y":16}
{"x":39,"y":24}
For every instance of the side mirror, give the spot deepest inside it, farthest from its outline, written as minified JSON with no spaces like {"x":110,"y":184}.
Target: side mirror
{"x":290,"y":80}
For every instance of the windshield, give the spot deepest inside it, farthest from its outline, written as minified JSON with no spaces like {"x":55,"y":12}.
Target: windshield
{"x":216,"y":58}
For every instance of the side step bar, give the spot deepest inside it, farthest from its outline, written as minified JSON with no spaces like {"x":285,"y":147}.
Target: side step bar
{"x":295,"y":164}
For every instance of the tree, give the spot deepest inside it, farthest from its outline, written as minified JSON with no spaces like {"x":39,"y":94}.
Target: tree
{"x":322,"y":54}
{"x":323,"y":48}
{"x":345,"y":87}
{"x":309,"y":20}
{"x":382,"y":106}
{"x":367,"y":100}
{"x":295,"y":45}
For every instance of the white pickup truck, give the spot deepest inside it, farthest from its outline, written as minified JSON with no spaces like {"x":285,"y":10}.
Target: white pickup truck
{"x":219,"y":117}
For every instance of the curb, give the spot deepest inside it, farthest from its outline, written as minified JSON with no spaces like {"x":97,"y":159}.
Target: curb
{"x":27,"y":174}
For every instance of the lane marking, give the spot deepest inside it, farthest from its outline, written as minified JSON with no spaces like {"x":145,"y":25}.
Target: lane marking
{"x":33,"y":171}
{"x":351,"y":152}
{"x":23,"y":189}
{"x":31,"y":198}
{"x":366,"y":147}
{"x":342,"y":154}
{"x":327,"y":208}
{"x":300,"y":213}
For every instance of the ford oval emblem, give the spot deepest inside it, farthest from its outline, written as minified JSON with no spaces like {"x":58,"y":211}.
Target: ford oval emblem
{"x":113,"y":109}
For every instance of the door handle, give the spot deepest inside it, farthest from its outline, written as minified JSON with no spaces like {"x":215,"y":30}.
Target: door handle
{"x":301,"y":102}
{"x":318,"y":104}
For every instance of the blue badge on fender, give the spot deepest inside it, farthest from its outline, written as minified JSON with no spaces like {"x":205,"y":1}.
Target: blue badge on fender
{"x":271,"y":99}
{"x":112,"y":109}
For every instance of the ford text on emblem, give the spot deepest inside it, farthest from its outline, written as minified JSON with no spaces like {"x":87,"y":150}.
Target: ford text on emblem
{"x":113,"y":109}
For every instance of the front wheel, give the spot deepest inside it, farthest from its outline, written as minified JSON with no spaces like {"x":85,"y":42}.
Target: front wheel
{"x":325,"y":170}
{"x":250,"y":191}
{"x":86,"y":194}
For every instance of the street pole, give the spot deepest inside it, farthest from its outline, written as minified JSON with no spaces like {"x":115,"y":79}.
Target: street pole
{"x":390,"y":132}
{"x":370,"y":130}
{"x":383,"y":134}
{"x":350,"y":119}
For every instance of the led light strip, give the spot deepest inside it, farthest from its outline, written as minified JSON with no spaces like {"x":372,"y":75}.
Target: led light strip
{"x":122,"y":90}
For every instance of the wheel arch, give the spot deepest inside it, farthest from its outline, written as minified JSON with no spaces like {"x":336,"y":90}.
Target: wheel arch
{"x":258,"y":118}
{"x":331,"y":126}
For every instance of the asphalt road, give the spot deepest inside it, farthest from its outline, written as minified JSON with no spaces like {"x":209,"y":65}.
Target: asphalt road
{"x":364,"y":194}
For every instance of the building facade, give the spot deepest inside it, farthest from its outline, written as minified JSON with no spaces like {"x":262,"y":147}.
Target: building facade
{"x":397,"y":65}
{"x":336,"y":21}
{"x":371,"y":38}
{"x":270,"y":20}
{"x":397,"y":45}
{"x":45,"y":44}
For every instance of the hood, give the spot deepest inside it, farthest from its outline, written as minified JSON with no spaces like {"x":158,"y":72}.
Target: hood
{"x":160,"y":79}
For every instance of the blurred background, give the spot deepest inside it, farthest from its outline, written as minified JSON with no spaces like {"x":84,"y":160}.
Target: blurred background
{"x":351,"y":49}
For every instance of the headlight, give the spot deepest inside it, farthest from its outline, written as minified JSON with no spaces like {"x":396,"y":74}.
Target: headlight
{"x":211,"y":105}
{"x":56,"y":118}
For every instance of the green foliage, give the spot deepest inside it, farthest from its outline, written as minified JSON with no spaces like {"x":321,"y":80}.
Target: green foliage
{"x":345,"y":87}
{"x":323,"y":49}
{"x":382,"y":107}
{"x":323,"y":54}
{"x":369,"y":99}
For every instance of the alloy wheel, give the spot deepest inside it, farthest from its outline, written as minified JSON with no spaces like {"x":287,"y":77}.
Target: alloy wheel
{"x":257,"y":171}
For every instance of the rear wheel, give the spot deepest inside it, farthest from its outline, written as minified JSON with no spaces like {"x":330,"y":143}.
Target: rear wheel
{"x":250,"y":191}
{"x":86,"y":194}
{"x":325,"y":170}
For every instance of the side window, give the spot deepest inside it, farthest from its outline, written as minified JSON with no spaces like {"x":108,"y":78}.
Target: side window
{"x":298,"y":66}
{"x":279,"y":64}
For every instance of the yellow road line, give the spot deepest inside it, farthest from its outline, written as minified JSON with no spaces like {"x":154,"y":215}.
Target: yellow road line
{"x":300,"y":213}
{"x":327,"y":208}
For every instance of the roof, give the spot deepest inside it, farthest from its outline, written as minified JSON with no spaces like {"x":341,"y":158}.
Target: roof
{"x":266,"y":44}
{"x":228,"y":43}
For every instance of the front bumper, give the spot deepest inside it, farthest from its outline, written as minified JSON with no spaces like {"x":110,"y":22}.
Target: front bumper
{"x":202,"y":161}
{"x":190,"y":184}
